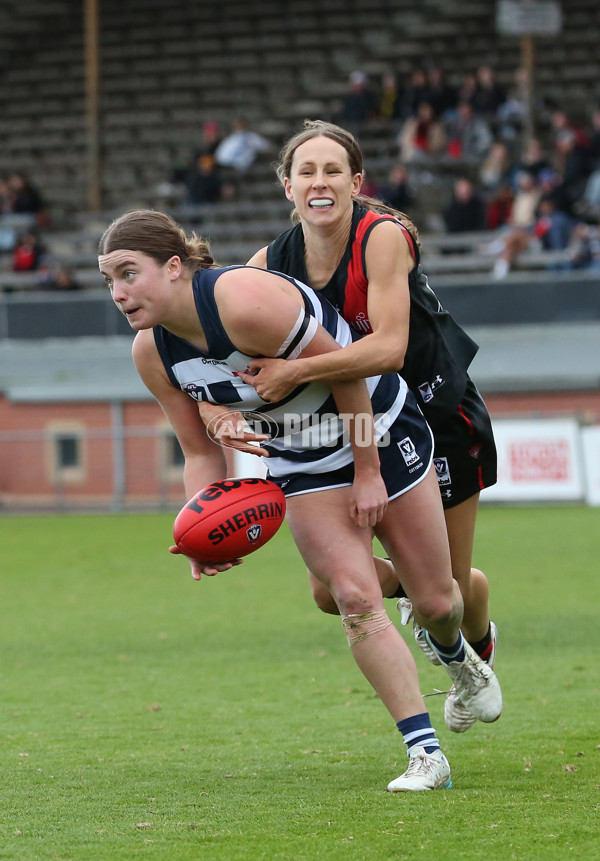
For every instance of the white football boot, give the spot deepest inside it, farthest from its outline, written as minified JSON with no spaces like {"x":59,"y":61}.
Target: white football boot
{"x":457,"y":717}
{"x":425,"y":771}
{"x":476,"y":684}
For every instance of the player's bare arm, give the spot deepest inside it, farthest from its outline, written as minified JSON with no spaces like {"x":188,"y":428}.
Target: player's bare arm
{"x":388,"y":262}
{"x":204,"y":461}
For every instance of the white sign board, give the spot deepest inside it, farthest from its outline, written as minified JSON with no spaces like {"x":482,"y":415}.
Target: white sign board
{"x":537,"y":460}
{"x":590,"y":438}
{"x":535,"y":18}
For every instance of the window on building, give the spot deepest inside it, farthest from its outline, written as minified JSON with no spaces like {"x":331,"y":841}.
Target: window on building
{"x":68,"y":451}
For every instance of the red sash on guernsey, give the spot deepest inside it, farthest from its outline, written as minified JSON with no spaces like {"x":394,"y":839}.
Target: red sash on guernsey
{"x":355,"y":299}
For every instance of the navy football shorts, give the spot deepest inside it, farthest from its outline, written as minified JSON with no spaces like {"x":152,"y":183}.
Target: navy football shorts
{"x":405,"y":454}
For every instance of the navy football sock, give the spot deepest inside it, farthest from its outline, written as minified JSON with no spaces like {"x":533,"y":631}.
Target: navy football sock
{"x":448,"y":654}
{"x":418,"y":732}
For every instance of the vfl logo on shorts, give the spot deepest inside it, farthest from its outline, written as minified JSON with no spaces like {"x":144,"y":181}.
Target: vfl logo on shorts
{"x":442,"y":471}
{"x":409,"y":453}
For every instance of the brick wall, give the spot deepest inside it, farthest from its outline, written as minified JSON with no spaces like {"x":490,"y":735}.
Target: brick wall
{"x":29,"y":479}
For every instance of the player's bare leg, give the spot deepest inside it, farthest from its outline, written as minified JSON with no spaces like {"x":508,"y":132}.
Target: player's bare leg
{"x":474,"y":587}
{"x":345,"y":567}
{"x":414,"y":535}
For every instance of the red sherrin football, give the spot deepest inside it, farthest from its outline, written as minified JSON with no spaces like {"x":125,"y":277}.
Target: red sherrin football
{"x":229,"y":519}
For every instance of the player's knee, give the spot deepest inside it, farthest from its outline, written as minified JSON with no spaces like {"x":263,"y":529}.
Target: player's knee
{"x":436,"y":610}
{"x":355,"y":597}
{"x":360,"y":626}
{"x":324,"y":599}
{"x":478,"y":576}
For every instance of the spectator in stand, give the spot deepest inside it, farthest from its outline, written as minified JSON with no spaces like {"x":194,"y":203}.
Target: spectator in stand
{"x":23,"y":195}
{"x":496,"y":168}
{"x":513,"y":113}
{"x":552,"y":229}
{"x":239,"y":149}
{"x":389,"y":101}
{"x":28,"y":253}
{"x":585,"y":247}
{"x":210,"y":138}
{"x":176,"y":188}
{"x":534,"y":161}
{"x":398,"y":192}
{"x":360,"y":102}
{"x":8,"y":234}
{"x":467,"y":88}
{"x":5,"y":199}
{"x":422,"y":137}
{"x":58,"y":277}
{"x":204,"y":183}
{"x":561,"y":122}
{"x":520,"y":223}
{"x":469,"y":136}
{"x":495,"y":176}
{"x":553,"y":226}
{"x":442,"y":96}
{"x":488,"y":95}
{"x":590,"y":202}
{"x":572,"y":162}
{"x":413,"y":95}
{"x":466,"y":209}
{"x":499,"y":207}
{"x":527,"y":198}
{"x":594,"y":139}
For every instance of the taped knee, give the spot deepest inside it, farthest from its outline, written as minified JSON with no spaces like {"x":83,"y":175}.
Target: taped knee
{"x":359,"y":626}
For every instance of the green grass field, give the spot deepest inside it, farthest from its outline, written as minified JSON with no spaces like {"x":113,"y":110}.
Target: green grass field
{"x":146,"y":716}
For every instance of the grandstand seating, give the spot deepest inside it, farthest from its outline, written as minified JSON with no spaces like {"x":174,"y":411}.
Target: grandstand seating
{"x":167,"y":67}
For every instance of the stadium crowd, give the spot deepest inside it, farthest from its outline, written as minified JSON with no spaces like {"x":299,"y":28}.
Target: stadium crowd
{"x":536,"y":191}
{"x":530,"y":178}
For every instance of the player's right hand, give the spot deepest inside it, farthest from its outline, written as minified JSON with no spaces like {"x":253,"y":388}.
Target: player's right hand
{"x":228,"y":428}
{"x":209,"y":568}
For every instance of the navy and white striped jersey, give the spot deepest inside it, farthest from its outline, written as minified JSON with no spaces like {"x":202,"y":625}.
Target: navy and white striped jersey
{"x":307,"y":434}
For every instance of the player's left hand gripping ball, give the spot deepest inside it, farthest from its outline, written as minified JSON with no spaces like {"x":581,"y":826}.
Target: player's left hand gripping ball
{"x":229,"y":519}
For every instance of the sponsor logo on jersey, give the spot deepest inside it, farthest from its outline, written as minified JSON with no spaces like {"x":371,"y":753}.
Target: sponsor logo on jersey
{"x":442,"y":471}
{"x":475,"y":451}
{"x":427,"y":390}
{"x":195,"y":390}
{"x":362,"y":323}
